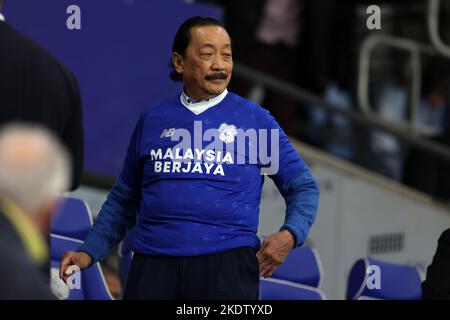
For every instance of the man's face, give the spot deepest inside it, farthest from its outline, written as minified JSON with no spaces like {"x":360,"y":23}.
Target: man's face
{"x":207,"y":64}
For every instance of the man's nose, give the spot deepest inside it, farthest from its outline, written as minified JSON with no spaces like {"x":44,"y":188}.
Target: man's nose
{"x":218,"y":63}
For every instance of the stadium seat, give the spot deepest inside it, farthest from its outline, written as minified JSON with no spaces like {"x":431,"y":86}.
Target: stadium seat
{"x":302,"y":266}
{"x":275,"y":289}
{"x":126,"y":255}
{"x":92,"y":282}
{"x":72,"y":220}
{"x":397,"y":282}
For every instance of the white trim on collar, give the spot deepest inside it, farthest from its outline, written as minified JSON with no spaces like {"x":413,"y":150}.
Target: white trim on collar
{"x":201,"y":106}
{"x":2,"y":17}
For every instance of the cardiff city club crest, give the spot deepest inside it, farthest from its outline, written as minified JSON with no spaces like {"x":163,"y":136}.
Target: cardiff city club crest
{"x":227,"y":132}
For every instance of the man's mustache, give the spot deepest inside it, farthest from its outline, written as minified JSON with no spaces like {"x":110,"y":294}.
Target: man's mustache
{"x":215,"y":76}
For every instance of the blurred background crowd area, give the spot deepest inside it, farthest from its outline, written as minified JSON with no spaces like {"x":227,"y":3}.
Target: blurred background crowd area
{"x":317,"y":46}
{"x":378,"y":98}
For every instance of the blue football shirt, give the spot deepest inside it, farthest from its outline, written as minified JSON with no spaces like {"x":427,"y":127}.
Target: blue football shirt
{"x":196,"y":198}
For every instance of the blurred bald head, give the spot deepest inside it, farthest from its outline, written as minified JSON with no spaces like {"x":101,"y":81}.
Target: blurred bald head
{"x":34,"y":166}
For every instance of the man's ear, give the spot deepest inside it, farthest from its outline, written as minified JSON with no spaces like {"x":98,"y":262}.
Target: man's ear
{"x":177,"y":61}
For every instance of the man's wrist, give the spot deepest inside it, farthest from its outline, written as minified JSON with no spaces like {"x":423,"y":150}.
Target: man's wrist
{"x":89,"y":257}
{"x":290,"y":236}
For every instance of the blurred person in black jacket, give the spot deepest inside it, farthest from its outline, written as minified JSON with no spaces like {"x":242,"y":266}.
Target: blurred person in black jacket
{"x":36,"y":88}
{"x":34,"y":167}
{"x":437,"y":283}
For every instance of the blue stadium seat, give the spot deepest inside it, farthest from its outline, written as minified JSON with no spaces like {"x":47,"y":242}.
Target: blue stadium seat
{"x":397,"y":282}
{"x":275,"y":289}
{"x":92,"y":285}
{"x":302,"y":266}
{"x":72,"y":220}
{"x":126,"y":254}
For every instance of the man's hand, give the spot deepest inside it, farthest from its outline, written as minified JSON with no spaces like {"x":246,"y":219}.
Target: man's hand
{"x":80,"y":259}
{"x":274,"y":250}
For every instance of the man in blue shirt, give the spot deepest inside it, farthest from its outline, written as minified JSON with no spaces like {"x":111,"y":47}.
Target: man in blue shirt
{"x":192,"y":179}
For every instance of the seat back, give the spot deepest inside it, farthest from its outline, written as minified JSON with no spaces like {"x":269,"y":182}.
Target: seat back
{"x":302,"y":266}
{"x":396,"y":281}
{"x":73,"y":219}
{"x":92,"y":282}
{"x":126,"y":254}
{"x":276,"y":289}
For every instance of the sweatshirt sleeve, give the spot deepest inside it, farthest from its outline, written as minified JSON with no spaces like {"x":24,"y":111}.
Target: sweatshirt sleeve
{"x":116,"y":216}
{"x":119,"y":211}
{"x":301,"y":195}
{"x":295,"y":182}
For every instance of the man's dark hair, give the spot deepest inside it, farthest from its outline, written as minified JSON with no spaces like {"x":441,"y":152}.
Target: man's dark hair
{"x":183,"y":37}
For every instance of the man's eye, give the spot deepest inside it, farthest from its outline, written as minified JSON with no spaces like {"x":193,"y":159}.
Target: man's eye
{"x":205,"y":54}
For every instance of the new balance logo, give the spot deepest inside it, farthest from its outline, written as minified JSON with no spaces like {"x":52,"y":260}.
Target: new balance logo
{"x":167,"y":133}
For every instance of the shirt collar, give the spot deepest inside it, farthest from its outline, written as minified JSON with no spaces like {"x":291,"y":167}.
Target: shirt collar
{"x":32,"y":239}
{"x":198,"y":107}
{"x":2,"y":17}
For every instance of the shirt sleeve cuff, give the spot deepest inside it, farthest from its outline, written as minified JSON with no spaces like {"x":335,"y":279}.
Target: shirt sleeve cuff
{"x":299,"y":239}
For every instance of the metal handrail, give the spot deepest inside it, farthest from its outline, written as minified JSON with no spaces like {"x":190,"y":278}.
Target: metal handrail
{"x":415,"y":49}
{"x":405,"y":135}
{"x":433,"y":28}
